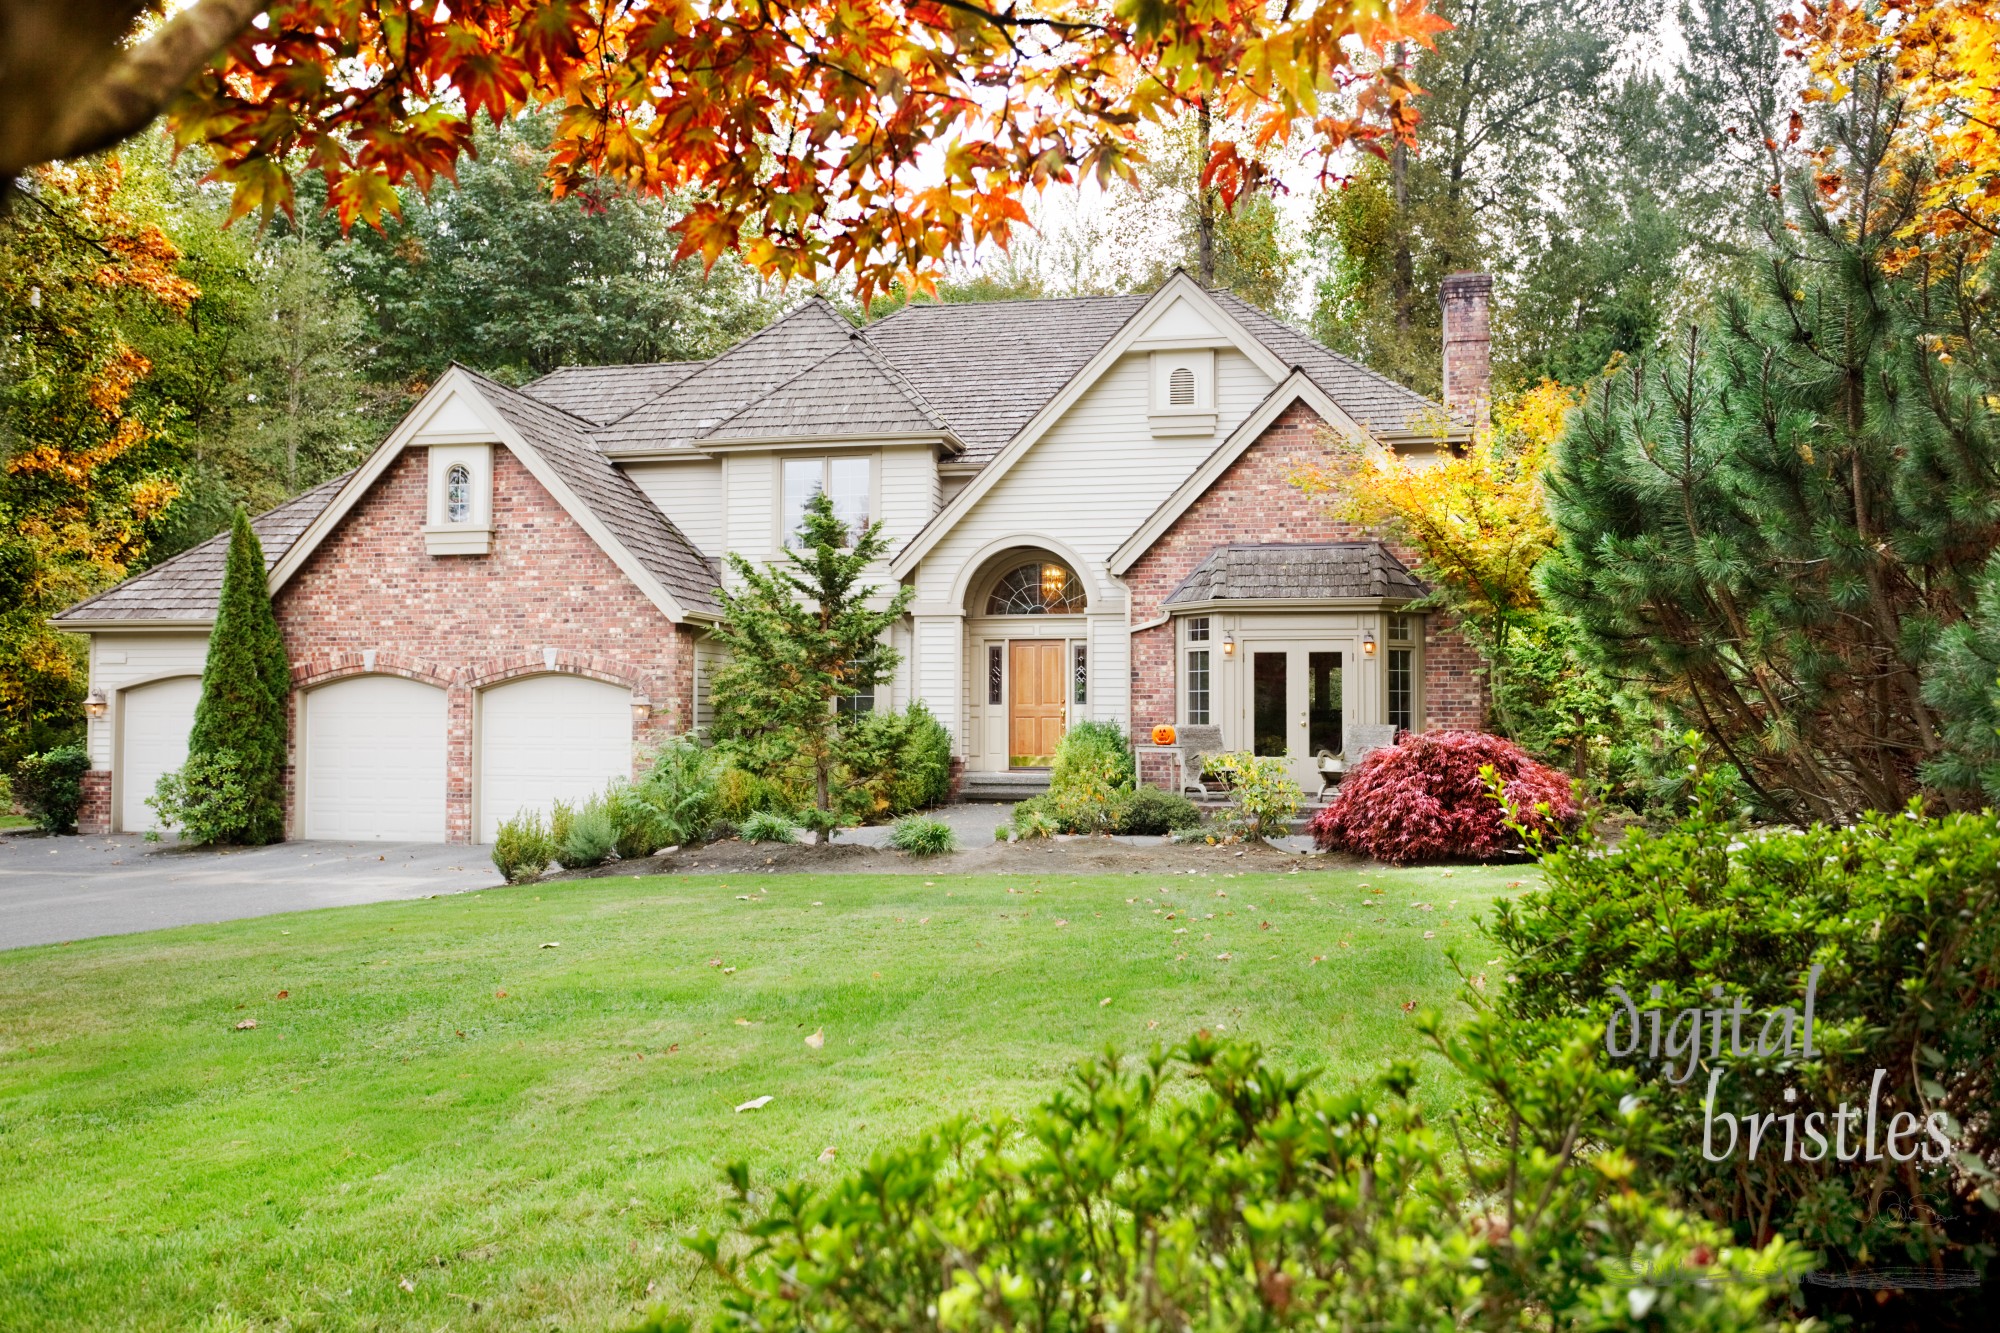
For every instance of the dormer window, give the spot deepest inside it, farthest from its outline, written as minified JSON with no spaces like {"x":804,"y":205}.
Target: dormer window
{"x":458,"y":518}
{"x":458,"y":494}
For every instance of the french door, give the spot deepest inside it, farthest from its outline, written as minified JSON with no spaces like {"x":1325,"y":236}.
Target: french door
{"x":1298,"y":706}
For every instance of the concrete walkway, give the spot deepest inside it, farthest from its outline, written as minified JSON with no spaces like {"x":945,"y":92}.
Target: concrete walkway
{"x":55,"y":889}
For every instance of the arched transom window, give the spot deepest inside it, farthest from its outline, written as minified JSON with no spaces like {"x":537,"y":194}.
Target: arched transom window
{"x":457,"y":494}
{"x":1039,"y":588}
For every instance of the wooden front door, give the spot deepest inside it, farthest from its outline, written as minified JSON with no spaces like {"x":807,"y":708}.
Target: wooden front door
{"x":1037,"y":702}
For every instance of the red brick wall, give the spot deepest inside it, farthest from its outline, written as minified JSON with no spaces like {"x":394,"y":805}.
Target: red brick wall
{"x":94,"y":815}
{"x":1252,"y":501}
{"x":464,"y":622}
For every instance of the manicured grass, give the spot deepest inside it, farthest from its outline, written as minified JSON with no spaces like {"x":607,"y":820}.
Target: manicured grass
{"x":443,"y":1123}
{"x":15,"y":821}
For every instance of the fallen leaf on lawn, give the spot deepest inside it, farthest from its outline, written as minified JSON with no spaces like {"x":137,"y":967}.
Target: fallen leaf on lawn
{"x":876,"y":975}
{"x":1180,"y":930}
{"x":1345,"y":945}
{"x":1408,"y":1005}
{"x":742,"y":897}
{"x":1106,"y":1000}
{"x":817,"y":1039}
{"x":1447,"y":873}
{"x":284,"y":995}
{"x":923,"y":921}
{"x":499,"y":995}
{"x":1493,"y":962}
{"x":818,"y":903}
{"x":675,"y":1047}
{"x":1061,"y":921}
{"x":1152,"y":1023}
{"x":407,"y":1285}
{"x":715,"y":962}
{"x":553,"y":944}
{"x":1265,"y":926}
{"x":755,"y":1104}
{"x":828,"y":1155}
{"x":1316,"y":959}
{"x":246,"y":1025}
{"x":1430,"y":934}
{"x":1515,"y":883}
{"x":1222,"y":957}
{"x":727,"y":970}
{"x":1219,"y":893}
{"x":1479,"y":982}
{"x":745,"y":1023}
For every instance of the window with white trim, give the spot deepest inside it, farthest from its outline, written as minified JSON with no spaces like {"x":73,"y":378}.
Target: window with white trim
{"x":1080,"y":673}
{"x":1401,"y":670}
{"x":848,"y":482}
{"x":458,"y":494}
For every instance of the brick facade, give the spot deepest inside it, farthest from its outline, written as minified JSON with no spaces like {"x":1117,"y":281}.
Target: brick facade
{"x":371,"y":599}
{"x":94,"y":815}
{"x":1253,"y":501}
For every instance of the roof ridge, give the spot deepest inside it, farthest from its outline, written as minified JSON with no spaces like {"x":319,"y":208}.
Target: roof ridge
{"x":522,"y":394}
{"x":1348,"y":361}
{"x":880,"y":360}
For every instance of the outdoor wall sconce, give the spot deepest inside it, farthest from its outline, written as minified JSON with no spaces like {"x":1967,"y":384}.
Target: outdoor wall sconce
{"x":95,"y":706}
{"x":1229,"y":645}
{"x":1368,"y":644}
{"x":642,"y":708}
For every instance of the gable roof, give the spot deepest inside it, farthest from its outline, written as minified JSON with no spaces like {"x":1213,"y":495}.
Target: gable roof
{"x":989,"y":366}
{"x":185,"y":588}
{"x":1307,"y":571}
{"x":563,"y":442}
{"x":1382,"y":407}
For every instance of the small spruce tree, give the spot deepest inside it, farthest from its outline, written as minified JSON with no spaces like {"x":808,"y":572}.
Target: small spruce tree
{"x":246,"y":687}
{"x":802,"y":637}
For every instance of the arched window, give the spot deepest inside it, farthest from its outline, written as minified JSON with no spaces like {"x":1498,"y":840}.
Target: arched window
{"x":1180,"y":388}
{"x":1039,"y":588}
{"x":457,"y":494}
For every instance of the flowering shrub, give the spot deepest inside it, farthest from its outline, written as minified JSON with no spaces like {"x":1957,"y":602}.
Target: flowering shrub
{"x":1425,"y":799}
{"x":1262,"y":796}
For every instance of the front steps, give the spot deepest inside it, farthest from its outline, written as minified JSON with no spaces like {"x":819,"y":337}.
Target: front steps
{"x":1016,"y":785}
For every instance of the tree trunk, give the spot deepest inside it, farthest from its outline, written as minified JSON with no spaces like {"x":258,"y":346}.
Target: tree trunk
{"x":1204,"y":197}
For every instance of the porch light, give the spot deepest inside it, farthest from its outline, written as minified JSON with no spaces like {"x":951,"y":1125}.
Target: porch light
{"x":642,"y":708}
{"x":1368,"y":644}
{"x":95,"y":705}
{"x":1229,"y":645}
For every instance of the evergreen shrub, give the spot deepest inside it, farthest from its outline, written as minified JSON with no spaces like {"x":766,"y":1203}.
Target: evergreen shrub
{"x":246,"y":687}
{"x":894,"y":763}
{"x":1425,"y":799}
{"x":49,"y":787}
{"x":589,"y":835}
{"x":1902,"y":916}
{"x":1255,"y":1201}
{"x":206,"y":798}
{"x":522,"y":848}
{"x":1150,"y":811}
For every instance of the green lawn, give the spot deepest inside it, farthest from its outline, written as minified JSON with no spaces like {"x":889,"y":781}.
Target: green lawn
{"x":8,"y":821}
{"x":439,"y":1122}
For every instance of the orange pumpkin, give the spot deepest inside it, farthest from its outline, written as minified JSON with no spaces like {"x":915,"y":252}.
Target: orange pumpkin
{"x":1163,"y":735}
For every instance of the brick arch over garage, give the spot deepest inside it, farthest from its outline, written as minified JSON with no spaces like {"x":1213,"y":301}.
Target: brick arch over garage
{"x":642,"y":681}
{"x":330,"y":667}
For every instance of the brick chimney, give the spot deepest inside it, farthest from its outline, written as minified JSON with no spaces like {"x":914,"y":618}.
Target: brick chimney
{"x":1467,"y":299}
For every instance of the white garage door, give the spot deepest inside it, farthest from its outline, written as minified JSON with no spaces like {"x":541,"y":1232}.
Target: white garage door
{"x":549,"y":738}
{"x":374,"y":760}
{"x":154,"y":721}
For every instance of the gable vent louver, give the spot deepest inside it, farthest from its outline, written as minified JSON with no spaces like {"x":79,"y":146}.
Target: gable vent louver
{"x":1180,"y":388}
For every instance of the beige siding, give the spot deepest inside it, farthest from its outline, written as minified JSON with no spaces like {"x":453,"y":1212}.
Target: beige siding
{"x":691,"y":495}
{"x":121,"y":659}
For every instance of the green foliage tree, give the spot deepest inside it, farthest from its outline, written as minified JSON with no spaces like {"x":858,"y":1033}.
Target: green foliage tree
{"x":494,"y":272}
{"x":246,"y":689}
{"x":1770,"y":527}
{"x":802,"y":636}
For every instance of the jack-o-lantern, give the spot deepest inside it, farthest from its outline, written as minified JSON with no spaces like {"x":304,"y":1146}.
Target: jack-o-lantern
{"x":1163,"y":735}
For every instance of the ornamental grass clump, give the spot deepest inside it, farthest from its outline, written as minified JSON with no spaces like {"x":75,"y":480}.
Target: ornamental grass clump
{"x":769,"y":826}
{"x":920,"y":836}
{"x":1425,"y":799}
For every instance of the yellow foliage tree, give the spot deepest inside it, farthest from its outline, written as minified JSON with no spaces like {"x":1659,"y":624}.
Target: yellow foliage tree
{"x":1477,"y":519}
{"x":1945,"y":59}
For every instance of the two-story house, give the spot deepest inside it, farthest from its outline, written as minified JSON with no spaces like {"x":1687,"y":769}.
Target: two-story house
{"x":512,"y":600}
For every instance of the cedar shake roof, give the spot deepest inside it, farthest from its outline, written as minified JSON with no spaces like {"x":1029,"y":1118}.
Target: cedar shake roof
{"x":1319,"y":571}
{"x":1377,"y":403}
{"x":187,"y":586}
{"x":602,"y":394}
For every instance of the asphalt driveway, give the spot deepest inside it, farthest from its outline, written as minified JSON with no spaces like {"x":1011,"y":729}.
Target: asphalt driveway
{"x":55,"y":889}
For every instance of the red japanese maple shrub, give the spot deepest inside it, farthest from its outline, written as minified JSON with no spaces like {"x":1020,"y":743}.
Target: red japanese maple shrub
{"x":1423,"y":800}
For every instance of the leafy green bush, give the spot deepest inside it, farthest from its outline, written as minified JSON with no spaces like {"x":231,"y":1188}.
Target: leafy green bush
{"x":589,"y":835}
{"x":769,"y":826}
{"x":922,"y":837}
{"x":638,"y":826}
{"x":1093,"y":763}
{"x":1034,"y":818}
{"x":1901,"y":913}
{"x":208,"y":798}
{"x":1262,"y":796}
{"x":522,"y":848}
{"x":894,"y":763}
{"x":49,"y":787}
{"x":1260,"y":1202}
{"x":821,"y":823}
{"x":1150,"y":810}
{"x":1073,"y":812}
{"x":740,"y":793}
{"x":681,"y":786}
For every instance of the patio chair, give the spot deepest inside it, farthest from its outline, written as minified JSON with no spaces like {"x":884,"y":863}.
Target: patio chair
{"x":1196,"y":745}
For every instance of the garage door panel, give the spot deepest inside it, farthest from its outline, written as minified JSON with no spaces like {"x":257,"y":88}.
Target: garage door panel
{"x":548,"y":739}
{"x":154,"y":722}
{"x":375,"y":761}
